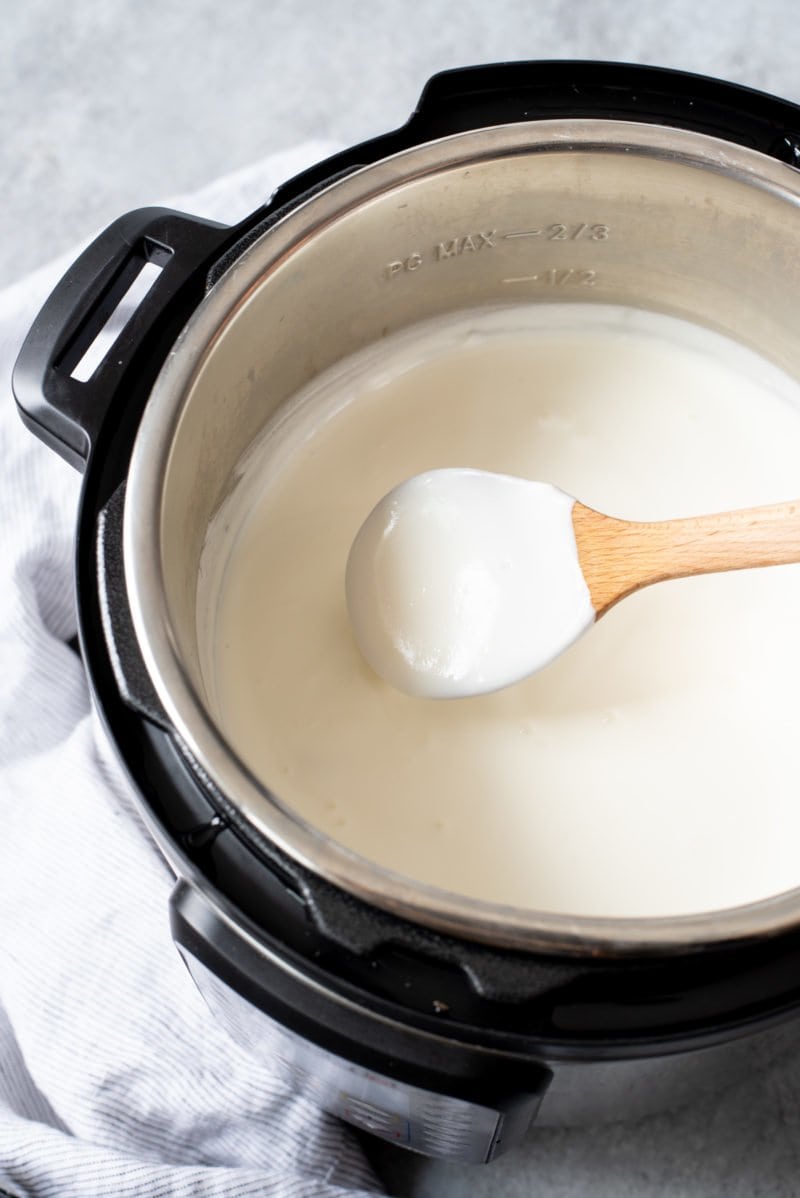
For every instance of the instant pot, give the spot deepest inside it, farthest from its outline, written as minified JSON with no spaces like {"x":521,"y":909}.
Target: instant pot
{"x":432,"y":1020}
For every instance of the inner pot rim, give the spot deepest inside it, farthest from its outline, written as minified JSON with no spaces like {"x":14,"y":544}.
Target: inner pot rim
{"x":472,"y":919}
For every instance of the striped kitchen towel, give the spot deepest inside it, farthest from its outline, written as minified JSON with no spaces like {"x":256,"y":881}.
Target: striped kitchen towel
{"x":114,"y":1079}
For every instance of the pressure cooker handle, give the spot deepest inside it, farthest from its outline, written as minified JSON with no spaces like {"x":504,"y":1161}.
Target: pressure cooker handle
{"x":64,"y":410}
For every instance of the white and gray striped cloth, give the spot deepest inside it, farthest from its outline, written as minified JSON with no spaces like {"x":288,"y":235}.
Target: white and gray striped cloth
{"x":114,"y":1079}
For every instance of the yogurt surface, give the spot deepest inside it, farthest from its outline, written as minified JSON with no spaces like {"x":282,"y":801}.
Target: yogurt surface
{"x":651,"y":769}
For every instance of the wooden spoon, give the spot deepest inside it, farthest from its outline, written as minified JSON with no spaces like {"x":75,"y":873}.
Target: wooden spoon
{"x":460,"y":582}
{"x":618,"y":557}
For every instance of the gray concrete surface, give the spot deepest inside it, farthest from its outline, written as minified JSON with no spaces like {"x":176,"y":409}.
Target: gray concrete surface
{"x":106,"y":105}
{"x":742,"y":1144}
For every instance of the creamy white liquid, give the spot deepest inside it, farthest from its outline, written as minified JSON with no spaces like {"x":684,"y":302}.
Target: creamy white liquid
{"x":460,"y":582}
{"x":650,"y":770}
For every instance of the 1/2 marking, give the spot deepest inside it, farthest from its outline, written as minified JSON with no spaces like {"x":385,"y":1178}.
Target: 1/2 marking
{"x":558,"y":278}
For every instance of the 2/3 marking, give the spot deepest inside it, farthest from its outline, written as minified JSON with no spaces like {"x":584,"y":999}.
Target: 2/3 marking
{"x":559,"y":232}
{"x":574,"y":232}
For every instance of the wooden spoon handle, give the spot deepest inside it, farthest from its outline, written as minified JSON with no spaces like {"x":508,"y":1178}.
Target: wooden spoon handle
{"x":619,"y":557}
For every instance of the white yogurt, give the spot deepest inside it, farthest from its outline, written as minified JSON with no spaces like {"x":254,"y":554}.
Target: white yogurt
{"x":651,"y":769}
{"x":460,"y":582}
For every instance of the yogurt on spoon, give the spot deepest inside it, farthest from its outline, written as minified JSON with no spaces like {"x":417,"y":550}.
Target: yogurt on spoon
{"x":461,"y":582}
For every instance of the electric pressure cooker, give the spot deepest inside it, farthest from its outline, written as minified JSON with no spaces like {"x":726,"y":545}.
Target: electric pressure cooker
{"x":434,"y":1021}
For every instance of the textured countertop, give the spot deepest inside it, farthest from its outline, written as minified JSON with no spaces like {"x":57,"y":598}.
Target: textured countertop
{"x":105,"y":106}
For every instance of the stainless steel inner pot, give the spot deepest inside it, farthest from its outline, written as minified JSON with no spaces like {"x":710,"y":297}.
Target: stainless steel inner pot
{"x":567,"y":210}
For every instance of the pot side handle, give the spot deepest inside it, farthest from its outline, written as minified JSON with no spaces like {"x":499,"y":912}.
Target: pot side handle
{"x":61,"y":409}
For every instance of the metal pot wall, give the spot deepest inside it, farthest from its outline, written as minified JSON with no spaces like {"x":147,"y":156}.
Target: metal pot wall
{"x":429,"y":1018}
